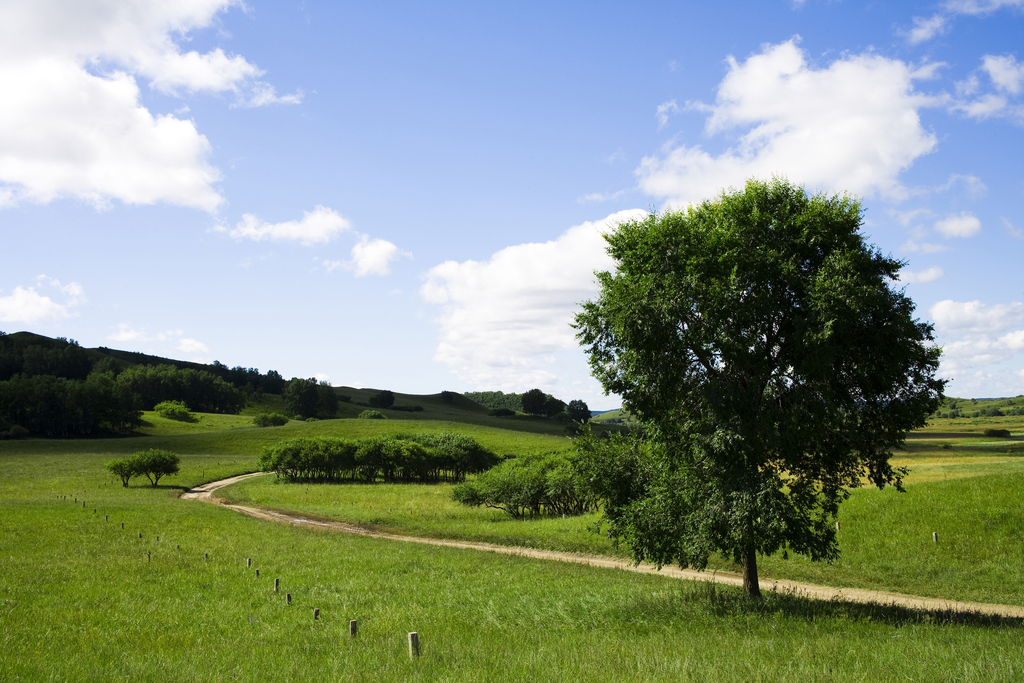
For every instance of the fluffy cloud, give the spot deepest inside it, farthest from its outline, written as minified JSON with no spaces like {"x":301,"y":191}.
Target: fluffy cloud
{"x":974,"y":317}
{"x":927,"y":28}
{"x":964,"y":225}
{"x":663,"y":112}
{"x":853,"y":126}
{"x":318,"y":226}
{"x":1007,"y":78}
{"x":976,"y":339}
{"x":71,"y":121}
{"x":373,"y":256}
{"x":927,"y":275}
{"x":502,"y":320}
{"x":26,"y":305}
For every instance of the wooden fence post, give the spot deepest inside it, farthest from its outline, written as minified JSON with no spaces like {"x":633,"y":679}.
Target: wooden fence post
{"x":352,"y":628}
{"x":277,"y":584}
{"x":288,"y":598}
{"x":414,"y":644}
{"x":316,"y":613}
{"x":935,"y":536}
{"x":248,"y":562}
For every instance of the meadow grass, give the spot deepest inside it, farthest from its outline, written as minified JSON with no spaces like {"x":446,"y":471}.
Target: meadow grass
{"x":81,"y":600}
{"x":968,"y":493}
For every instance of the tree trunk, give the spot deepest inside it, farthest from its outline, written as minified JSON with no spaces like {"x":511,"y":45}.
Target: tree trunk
{"x":751,"y":588}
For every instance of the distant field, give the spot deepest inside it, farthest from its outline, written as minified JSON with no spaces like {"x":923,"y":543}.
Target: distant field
{"x":81,"y":599}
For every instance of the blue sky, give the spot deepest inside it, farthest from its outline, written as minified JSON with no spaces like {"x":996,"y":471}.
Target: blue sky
{"x":411,"y":196}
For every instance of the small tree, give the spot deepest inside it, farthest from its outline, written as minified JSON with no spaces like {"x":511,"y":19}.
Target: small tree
{"x":552,"y":406}
{"x":533,"y":401}
{"x":382,"y":399}
{"x":156,"y":463}
{"x":578,"y":411}
{"x":124,"y":468}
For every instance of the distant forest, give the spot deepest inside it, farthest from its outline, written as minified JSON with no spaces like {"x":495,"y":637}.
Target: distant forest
{"x":55,"y":387}
{"x":496,"y":400}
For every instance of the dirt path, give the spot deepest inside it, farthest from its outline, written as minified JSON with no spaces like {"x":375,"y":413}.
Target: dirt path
{"x":205,"y":493}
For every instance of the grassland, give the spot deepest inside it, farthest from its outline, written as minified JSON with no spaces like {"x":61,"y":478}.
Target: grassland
{"x":81,"y":599}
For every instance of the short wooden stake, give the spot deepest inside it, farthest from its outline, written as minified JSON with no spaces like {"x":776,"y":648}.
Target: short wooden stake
{"x":248,"y":562}
{"x":206,"y":555}
{"x":94,"y":511}
{"x":149,"y":556}
{"x":414,"y":644}
{"x":935,"y":536}
{"x":83,"y":504}
{"x":177,"y":547}
{"x":122,"y":525}
{"x":106,"y":518}
{"x":316,"y":613}
{"x":140,"y":534}
{"x":257,"y":573}
{"x":352,"y":628}
{"x":288,"y":599}
{"x":157,"y":539}
{"x":277,"y":584}
{"x":837,"y":526}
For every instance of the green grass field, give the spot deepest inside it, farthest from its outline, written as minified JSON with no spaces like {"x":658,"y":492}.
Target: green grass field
{"x":83,"y":600}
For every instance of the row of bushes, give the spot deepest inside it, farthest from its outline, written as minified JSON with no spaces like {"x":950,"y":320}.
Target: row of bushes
{"x":532,"y":485}
{"x":445,"y":456}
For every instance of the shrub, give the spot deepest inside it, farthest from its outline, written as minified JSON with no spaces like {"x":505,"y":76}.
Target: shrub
{"x":448,"y":396}
{"x":269,"y":420}
{"x":502,"y":412}
{"x":1003,"y":433}
{"x":344,"y":398}
{"x":174,"y":410}
{"x":529,"y":486}
{"x":372,"y":415}
{"x":17,"y":432}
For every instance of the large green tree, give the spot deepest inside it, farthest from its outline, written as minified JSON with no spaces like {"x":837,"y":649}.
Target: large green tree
{"x":775,"y":364}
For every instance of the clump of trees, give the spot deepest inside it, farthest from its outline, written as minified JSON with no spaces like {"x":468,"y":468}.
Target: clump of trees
{"x":382,"y":400}
{"x":445,"y":456}
{"x":311,"y":398}
{"x":530,"y":486}
{"x":200,"y":390}
{"x":269,"y":420}
{"x":372,"y":415}
{"x":58,"y":406}
{"x":154,"y":464}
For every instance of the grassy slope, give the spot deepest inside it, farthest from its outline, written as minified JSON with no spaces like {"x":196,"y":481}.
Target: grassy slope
{"x":80,"y":601}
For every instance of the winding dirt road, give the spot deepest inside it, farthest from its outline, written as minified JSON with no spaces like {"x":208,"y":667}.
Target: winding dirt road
{"x":205,"y":493}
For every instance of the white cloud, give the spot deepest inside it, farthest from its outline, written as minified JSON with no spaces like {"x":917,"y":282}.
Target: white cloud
{"x":974,"y":317}
{"x":852,"y":126}
{"x":927,"y":275}
{"x":927,"y":28}
{"x":320,"y":225}
{"x":125,"y":332}
{"x":503,"y":319}
{"x":664,"y":110}
{"x":192,"y":346}
{"x":26,"y":305}
{"x":373,"y":256}
{"x":1005,"y":72}
{"x":964,"y":225}
{"x":320,"y":377}
{"x":976,"y":7}
{"x":72,"y":124}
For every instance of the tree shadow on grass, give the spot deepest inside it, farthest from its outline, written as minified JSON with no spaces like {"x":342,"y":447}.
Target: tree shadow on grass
{"x":726,"y":601}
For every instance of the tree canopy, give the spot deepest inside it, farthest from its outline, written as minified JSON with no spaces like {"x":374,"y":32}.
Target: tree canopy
{"x":775,"y":365}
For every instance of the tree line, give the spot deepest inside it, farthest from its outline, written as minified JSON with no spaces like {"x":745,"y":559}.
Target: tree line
{"x":445,"y":456}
